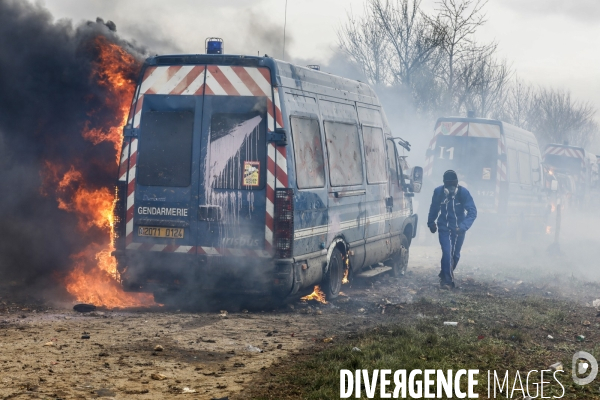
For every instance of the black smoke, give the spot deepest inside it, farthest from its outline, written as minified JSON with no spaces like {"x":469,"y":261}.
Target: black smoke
{"x":48,"y":93}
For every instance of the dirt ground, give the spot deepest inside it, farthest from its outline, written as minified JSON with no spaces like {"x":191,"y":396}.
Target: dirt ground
{"x":167,"y":353}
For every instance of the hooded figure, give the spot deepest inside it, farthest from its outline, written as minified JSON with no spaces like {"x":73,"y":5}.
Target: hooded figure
{"x":454,"y":211}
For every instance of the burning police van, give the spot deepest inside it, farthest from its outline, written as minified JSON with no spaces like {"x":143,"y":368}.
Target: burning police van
{"x":256,"y":175}
{"x":499,"y":163}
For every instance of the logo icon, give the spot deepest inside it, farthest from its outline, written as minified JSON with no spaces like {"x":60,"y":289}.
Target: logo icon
{"x":582,"y":361}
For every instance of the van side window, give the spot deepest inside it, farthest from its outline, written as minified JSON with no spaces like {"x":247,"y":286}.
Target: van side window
{"x":536,"y":170}
{"x":308,"y":153}
{"x":392,"y":161}
{"x":166,"y":148}
{"x":524,"y":168}
{"x":512,"y":165}
{"x":344,"y":154}
{"x":374,"y":154}
{"x":237,"y":151}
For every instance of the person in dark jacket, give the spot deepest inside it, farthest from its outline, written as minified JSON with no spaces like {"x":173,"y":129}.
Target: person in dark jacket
{"x":452,"y":213}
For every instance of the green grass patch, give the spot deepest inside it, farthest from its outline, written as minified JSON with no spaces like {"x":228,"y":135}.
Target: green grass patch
{"x":507,"y":334}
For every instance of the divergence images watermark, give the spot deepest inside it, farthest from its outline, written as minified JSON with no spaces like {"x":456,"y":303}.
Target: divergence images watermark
{"x":435,"y":384}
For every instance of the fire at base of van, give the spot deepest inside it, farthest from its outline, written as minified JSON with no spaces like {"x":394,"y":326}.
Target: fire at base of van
{"x":420,"y":384}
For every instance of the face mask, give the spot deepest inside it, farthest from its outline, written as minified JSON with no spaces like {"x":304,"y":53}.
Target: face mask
{"x":449,"y":190}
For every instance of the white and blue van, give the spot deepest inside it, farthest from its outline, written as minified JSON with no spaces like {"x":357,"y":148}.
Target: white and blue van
{"x":258,"y":176}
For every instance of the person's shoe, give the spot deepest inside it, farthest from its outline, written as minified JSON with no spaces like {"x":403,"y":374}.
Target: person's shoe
{"x":446,"y":285}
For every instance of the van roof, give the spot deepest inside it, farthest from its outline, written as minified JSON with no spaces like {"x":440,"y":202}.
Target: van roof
{"x":284,"y":74}
{"x":509,"y":130}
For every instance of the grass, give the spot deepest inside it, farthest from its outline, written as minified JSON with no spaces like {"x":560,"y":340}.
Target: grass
{"x":493,"y":334}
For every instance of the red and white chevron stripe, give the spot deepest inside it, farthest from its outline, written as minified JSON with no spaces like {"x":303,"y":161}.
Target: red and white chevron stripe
{"x":484,"y":130}
{"x":211,"y":80}
{"x":564,"y":151}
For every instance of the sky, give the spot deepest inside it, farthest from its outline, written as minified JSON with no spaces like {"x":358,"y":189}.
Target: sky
{"x":552,"y":43}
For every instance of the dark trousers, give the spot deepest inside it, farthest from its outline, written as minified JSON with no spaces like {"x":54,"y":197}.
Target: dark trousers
{"x":451,"y":243}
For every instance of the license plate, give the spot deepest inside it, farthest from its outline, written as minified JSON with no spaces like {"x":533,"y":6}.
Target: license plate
{"x":171,"y":233}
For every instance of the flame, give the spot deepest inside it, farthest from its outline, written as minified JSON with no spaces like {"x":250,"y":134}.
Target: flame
{"x":94,"y":277}
{"x":317,"y":295}
{"x":548,"y":230}
{"x":346,"y":271}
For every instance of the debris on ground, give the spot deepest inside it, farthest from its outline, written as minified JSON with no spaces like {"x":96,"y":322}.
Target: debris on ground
{"x":450,"y":323}
{"x":586,"y":323}
{"x":158,"y":347}
{"x":550,"y":337}
{"x":557,"y":366}
{"x":158,"y":377}
{"x":223,"y":314}
{"x":253,"y":349}
{"x":188,"y":390}
{"x":84,"y":308}
{"x":328,"y":340}
{"x":580,"y":338}
{"x":356,"y":349}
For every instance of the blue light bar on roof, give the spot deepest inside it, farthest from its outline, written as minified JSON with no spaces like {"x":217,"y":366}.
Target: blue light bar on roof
{"x":214,"y":45}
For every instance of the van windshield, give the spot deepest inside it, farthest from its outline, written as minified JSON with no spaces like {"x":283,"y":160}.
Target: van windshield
{"x":564,"y":163}
{"x":237,"y":150}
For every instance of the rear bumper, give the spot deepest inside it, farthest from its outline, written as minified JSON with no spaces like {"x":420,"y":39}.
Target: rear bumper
{"x":156,"y":271}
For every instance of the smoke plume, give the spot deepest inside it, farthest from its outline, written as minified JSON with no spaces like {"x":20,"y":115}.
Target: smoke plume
{"x":50,"y":92}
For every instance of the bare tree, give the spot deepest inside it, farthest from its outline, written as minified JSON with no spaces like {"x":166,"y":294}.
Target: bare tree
{"x":365,"y":42}
{"x":555,"y":118}
{"x":411,"y":36}
{"x":517,"y":106}
{"x":459,"y":20}
{"x":482,"y":82}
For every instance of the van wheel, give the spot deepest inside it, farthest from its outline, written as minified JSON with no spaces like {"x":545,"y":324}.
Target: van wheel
{"x":332,"y":284}
{"x":400,"y":259}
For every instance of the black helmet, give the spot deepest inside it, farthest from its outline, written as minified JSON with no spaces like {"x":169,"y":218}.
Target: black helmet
{"x":450,"y":178}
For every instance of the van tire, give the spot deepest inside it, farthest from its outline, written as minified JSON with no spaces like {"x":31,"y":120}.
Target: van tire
{"x":400,"y":259}
{"x":332,"y":284}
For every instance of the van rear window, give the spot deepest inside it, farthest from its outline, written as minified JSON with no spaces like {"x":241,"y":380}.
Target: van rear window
{"x":237,"y":151}
{"x":345,"y":159}
{"x":308,"y":153}
{"x":165,"y":156}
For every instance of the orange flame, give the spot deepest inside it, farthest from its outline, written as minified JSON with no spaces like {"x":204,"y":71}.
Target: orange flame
{"x":317,"y":295}
{"x":548,"y":230}
{"x":346,"y":271}
{"x":94,"y":277}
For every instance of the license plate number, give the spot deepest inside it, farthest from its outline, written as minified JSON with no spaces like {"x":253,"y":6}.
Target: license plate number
{"x":171,"y":233}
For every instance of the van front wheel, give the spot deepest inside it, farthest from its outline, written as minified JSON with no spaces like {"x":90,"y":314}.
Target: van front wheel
{"x":332,"y":284}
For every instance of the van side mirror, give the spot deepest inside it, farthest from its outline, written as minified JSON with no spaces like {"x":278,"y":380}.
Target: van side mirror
{"x":416,"y":179}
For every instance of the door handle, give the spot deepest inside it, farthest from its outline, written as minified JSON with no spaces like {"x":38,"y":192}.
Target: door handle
{"x":349,"y":193}
{"x":210,"y":213}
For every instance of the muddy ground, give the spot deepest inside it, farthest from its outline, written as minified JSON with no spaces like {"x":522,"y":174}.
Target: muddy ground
{"x":168,"y":353}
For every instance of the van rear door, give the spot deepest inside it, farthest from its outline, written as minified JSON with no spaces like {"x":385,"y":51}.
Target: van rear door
{"x":233,"y":174}
{"x":166,"y":179}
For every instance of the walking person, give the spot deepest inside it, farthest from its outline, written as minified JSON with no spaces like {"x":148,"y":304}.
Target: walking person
{"x":452,"y":213}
